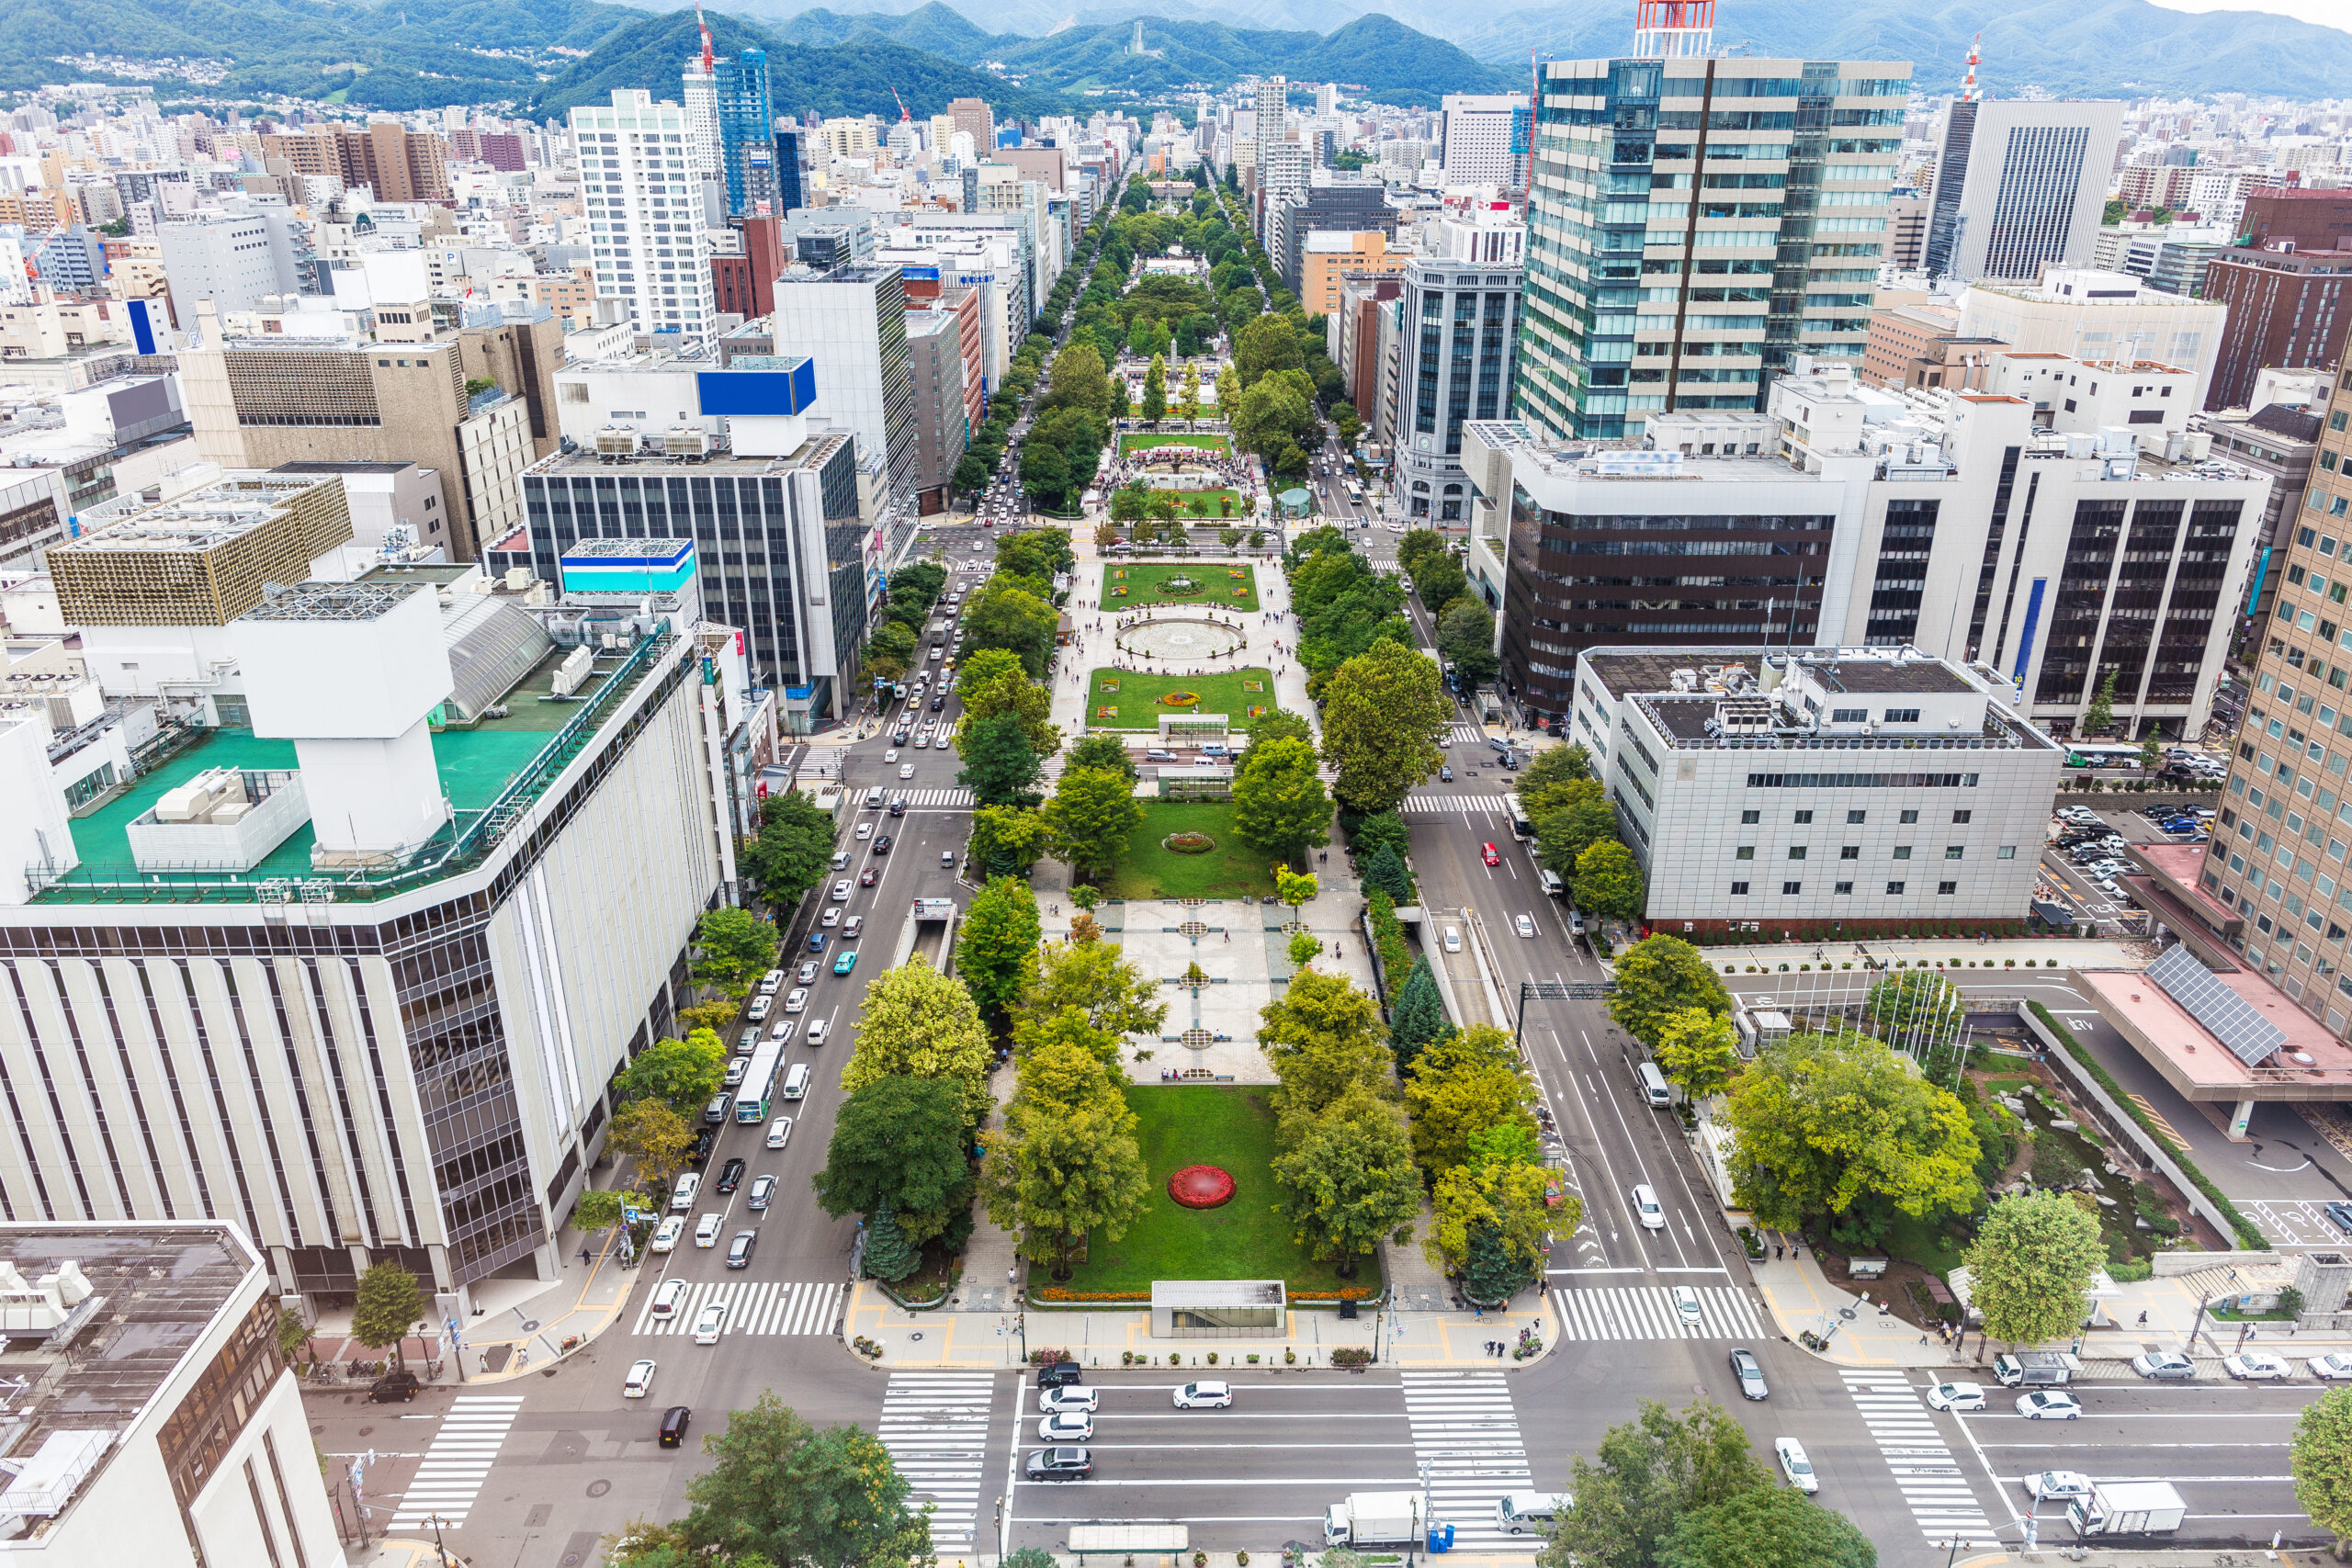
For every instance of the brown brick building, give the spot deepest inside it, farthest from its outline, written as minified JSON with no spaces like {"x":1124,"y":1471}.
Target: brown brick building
{"x":384,"y":155}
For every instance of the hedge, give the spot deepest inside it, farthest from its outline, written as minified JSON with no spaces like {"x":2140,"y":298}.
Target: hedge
{"x":2247,"y":1233}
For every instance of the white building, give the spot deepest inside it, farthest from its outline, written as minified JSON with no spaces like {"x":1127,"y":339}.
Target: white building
{"x":233,"y":260}
{"x":1817,"y":791}
{"x":2091,"y":314}
{"x":2020,"y":183}
{"x":1474,"y":136}
{"x":643,"y":197}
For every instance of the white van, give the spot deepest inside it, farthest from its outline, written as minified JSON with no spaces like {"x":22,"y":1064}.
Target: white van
{"x":1653,"y":1082}
{"x":1519,"y":1512}
{"x":796,"y":1082}
{"x":873,"y":797}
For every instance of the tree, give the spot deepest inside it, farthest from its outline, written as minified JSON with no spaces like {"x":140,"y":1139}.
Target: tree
{"x":1698,"y":1049}
{"x":1463,"y":1085}
{"x":1385,"y":873}
{"x":1382,"y":711}
{"x":1274,"y":416}
{"x":1297,"y":890}
{"x":1465,"y":635}
{"x":1066,"y":1162}
{"x":1767,"y":1526}
{"x":1321,"y":1036}
{"x":1007,"y":839}
{"x":1440,"y":583}
{"x":1912,"y":1008}
{"x":1351,"y":1181}
{"x":1279,"y":802}
{"x":2319,"y":1459}
{"x":1268,"y":343}
{"x":1418,"y":1016}
{"x":972,"y":473}
{"x":916,"y":1022}
{"x":388,"y":1307}
{"x":889,"y":1255}
{"x":783,"y":1490}
{"x":1097,"y":980}
{"x":1553,"y":765}
{"x":1002,"y":616}
{"x":1648,"y":1476}
{"x":602,"y":1208}
{"x":1104,"y":752}
{"x":1416,"y":545}
{"x":2030,"y":1269}
{"x":1821,"y":1121}
{"x":2099,"y":717}
{"x":1305,"y":947}
{"x":1010,"y":691}
{"x":900,"y":1143}
{"x":1382,"y":828}
{"x":1078,"y":382}
{"x":657,"y":1137}
{"x":794,"y":849}
{"x":1609,"y":881}
{"x":1505,"y":1196}
{"x":1155,"y":388}
{"x":1090,"y":816}
{"x":732,"y":947}
{"x":681,"y":1074}
{"x":1000,"y":768}
{"x":1659,"y":975}
{"x":889,"y":650}
{"x":1187,"y":403}
{"x":997,"y":950}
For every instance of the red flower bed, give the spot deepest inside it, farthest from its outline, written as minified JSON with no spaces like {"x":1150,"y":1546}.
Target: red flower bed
{"x":1201,"y":1187}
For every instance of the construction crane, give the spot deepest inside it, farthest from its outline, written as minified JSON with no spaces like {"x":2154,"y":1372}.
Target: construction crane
{"x":904,"y":117}
{"x":708,"y":68}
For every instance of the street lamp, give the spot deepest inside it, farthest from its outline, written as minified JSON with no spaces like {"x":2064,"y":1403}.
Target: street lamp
{"x":441,"y":1553}
{"x":1953,"y":1547}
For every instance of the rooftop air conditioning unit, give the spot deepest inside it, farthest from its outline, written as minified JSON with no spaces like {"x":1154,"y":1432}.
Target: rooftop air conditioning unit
{"x":617,"y":441}
{"x":687,"y":441}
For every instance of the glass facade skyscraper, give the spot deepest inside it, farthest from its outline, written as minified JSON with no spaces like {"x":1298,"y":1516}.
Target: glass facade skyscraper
{"x":746,"y":133}
{"x":1695,"y":223}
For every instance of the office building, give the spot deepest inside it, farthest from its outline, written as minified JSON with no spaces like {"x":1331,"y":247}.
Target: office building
{"x":1906,"y":232}
{"x":2285,"y":308}
{"x":974,"y":118}
{"x":157,"y":1420}
{"x":852,"y":322}
{"x":2020,"y":185}
{"x":747,"y":133}
{"x":2092,"y":314}
{"x":1920,"y":346}
{"x":2071,"y":555}
{"x":1354,"y":334}
{"x":1270,"y":100}
{"x":395,"y":163}
{"x":644,"y":221}
{"x":2281,"y":441}
{"x":1330,"y":256}
{"x":1329,"y":202}
{"x":935,"y":357}
{"x":1650,"y":302}
{"x":1459,"y":312}
{"x":790,"y":189}
{"x":1482,"y":140}
{"x":1818,"y":791}
{"x":234,"y":260}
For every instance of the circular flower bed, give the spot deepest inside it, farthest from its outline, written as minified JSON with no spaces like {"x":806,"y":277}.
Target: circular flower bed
{"x":1201,"y":1187}
{"x":1187,"y":843}
{"x":1181,"y":699}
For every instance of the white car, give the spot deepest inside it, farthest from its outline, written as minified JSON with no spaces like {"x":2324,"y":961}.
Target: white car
{"x":2256,"y":1366}
{"x":1795,"y":1465}
{"x":889,"y":756}
{"x":797,"y":1000}
{"x":906,"y":769}
{"x":1203,"y":1397}
{"x":706,"y":1229}
{"x":1453,"y":939}
{"x":665,"y":1237}
{"x":841,"y":891}
{"x":668,"y":1296}
{"x":682,"y":1196}
{"x":1526,"y":925}
{"x":1070,"y":1397}
{"x":779,"y":1132}
{"x":639,"y":1381}
{"x":2330,"y":1367}
{"x":1686,"y":1304}
{"x":2057,"y":1484}
{"x":783,"y":1033}
{"x":831,"y":917}
{"x":2043,"y":1405}
{"x":1646,"y":1209}
{"x":710,"y":1323}
{"x":1066,"y":1426}
{"x":1956,"y":1397}
{"x":866,"y":829}
{"x":817,"y":1033}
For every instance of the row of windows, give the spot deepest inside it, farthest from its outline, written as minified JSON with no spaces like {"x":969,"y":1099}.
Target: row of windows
{"x":1861,"y":781}
{"x":1854,"y":852}
{"x":1790,"y":889}
{"x":1855,"y":818}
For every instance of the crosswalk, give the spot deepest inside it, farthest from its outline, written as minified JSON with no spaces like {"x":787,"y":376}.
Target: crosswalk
{"x":1925,"y":1471}
{"x":1435,"y":803}
{"x":936,"y":796}
{"x":1469,"y":732}
{"x":752,"y":1307}
{"x":1466,"y":1434}
{"x":936,"y":1427}
{"x":1647,"y":1311}
{"x":450,"y":1475}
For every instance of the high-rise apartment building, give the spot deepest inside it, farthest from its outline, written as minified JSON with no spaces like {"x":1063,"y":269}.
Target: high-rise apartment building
{"x":1271,"y":101}
{"x":976,"y":120}
{"x":396,"y":164}
{"x":747,"y":133}
{"x":852,"y":322}
{"x":1459,"y":311}
{"x":1482,"y":137}
{"x":2019,"y":186}
{"x":642,"y":197}
{"x":1694,"y":223}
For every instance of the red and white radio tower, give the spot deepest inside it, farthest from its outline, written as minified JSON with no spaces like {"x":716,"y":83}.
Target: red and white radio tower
{"x":1666,"y":29}
{"x":1969,"y":90}
{"x":708,"y":68}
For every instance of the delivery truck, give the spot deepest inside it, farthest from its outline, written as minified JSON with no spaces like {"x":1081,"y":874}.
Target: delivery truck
{"x":1373,"y":1518}
{"x":2127,"y":1507}
{"x":2036,"y":1368}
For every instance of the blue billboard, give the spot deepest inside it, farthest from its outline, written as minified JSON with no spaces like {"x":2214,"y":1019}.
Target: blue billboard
{"x":757,"y":385}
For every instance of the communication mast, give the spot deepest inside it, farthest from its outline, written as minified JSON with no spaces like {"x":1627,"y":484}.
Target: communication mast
{"x":1969,"y":90}
{"x":1670,"y":30}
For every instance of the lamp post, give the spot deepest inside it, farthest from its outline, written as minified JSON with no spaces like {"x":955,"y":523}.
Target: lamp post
{"x":440,"y":1552}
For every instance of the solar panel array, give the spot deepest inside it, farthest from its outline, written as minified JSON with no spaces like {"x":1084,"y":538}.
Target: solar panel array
{"x":2230,"y":1017}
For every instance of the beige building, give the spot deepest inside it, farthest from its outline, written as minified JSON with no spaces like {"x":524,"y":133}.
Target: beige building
{"x":386,"y":156}
{"x":2099,"y":315}
{"x":1331,"y":256}
{"x":50,"y":329}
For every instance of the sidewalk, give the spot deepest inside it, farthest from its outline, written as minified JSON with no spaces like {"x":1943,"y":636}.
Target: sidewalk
{"x":1959,"y":954}
{"x":2144,"y":1557}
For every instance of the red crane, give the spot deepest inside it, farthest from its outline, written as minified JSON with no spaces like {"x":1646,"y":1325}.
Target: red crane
{"x":708,"y":68}
{"x":904,"y":117}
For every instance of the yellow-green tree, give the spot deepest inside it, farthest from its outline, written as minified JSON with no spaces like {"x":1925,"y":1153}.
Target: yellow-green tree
{"x":1464,"y":1085}
{"x":1066,"y":1162}
{"x":1322,"y":1037}
{"x":2030,"y":1268}
{"x":917,"y":1022}
{"x":1698,"y":1049}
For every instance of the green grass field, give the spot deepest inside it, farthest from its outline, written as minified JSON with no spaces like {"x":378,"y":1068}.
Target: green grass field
{"x":1232,"y":1129}
{"x":1208,"y":498}
{"x":1217,"y":588}
{"x":1143,"y":441}
{"x":1232,"y":869}
{"x":1140,"y":707}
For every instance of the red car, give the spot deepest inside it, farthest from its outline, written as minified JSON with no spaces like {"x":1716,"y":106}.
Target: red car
{"x":1487,"y":853}
{"x":865,"y":878}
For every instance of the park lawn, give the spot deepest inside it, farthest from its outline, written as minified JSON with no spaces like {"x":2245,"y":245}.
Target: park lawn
{"x":1142,"y":579}
{"x":1232,"y":869}
{"x":1208,"y":497}
{"x":1232,"y":1129}
{"x":1138,"y":698}
{"x":1144,"y":441}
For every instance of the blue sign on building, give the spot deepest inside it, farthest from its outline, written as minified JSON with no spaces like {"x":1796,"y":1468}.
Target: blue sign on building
{"x":757,"y":385}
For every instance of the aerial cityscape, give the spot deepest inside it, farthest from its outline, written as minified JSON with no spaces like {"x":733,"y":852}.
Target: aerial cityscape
{"x":831,"y":788}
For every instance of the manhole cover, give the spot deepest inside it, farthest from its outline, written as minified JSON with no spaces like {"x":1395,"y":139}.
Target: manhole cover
{"x":570,"y":1559}
{"x":598,"y":1488}
{"x":917,"y":1335}
{"x":318,"y":1427}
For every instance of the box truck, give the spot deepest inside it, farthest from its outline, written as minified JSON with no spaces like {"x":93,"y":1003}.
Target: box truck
{"x":1368,"y":1519}
{"x":2127,"y":1507}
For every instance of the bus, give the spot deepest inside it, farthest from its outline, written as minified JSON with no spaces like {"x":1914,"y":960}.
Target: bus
{"x":1355,"y":493}
{"x":759,"y":1082}
{"x":2094,"y":754}
{"x":1520,"y":828}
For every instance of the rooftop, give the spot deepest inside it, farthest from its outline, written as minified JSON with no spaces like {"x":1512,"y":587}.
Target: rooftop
{"x":2195,"y":1060}
{"x":1881,"y":676}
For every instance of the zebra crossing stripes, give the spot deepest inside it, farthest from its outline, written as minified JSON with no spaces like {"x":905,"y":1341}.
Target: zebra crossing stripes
{"x":936,"y":796}
{"x":1469,"y":732}
{"x":936,"y":1427}
{"x":1647,"y":1311}
{"x":450,"y":1475}
{"x":1433,"y":803}
{"x":1466,"y":1438}
{"x":752,"y":1307}
{"x":1926,"y":1474}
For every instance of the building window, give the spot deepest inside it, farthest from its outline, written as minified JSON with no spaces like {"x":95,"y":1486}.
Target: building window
{"x":1850,"y":851}
{"x":1910,"y":817}
{"x":1845,"y":887}
{"x":1858,"y":818}
{"x":1960,"y":817}
{"x":1902,"y":852}
{"x":1739,"y":889}
{"x":1745,"y":852}
{"x":1796,"y":852}
{"x":1947,"y":887}
{"x":2007,"y":851}
{"x":1750,"y":819}
{"x":1803,"y":817}
{"x":1792,"y":888}
{"x":1903,"y":716}
{"x":1894,"y":888}
{"x":1955,"y":851}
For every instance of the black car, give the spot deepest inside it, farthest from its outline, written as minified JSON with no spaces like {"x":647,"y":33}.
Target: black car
{"x":899,"y":738}
{"x":730,"y":1176}
{"x":882,"y":843}
{"x":898,"y":806}
{"x":938,"y":701}
{"x":674,"y":1422}
{"x":401,"y":1386}
{"x":1060,"y":1374}
{"x":701,"y":1151}
{"x":1059,"y":1464}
